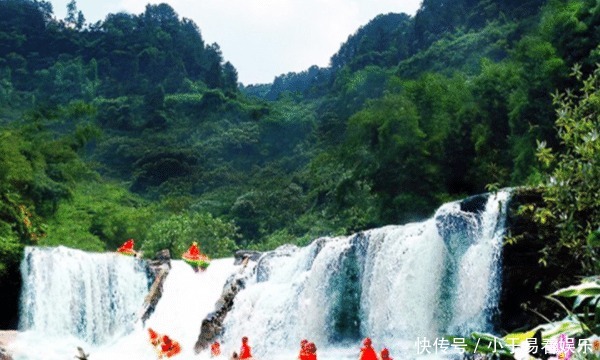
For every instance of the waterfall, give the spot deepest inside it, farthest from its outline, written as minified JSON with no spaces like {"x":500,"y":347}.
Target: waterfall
{"x":188,"y":297}
{"x":76,"y":299}
{"x":393,"y":284}
{"x":89,"y":296}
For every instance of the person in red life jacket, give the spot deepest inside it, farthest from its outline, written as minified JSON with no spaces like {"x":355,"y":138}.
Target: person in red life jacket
{"x":215,"y":349}
{"x":311,"y":350}
{"x":367,"y":352}
{"x":197,"y":260}
{"x":127,"y":248}
{"x":194,"y":250}
{"x":385,"y":354}
{"x":303,"y":353}
{"x":245,"y":350}
{"x":169,"y":348}
{"x":154,"y":337}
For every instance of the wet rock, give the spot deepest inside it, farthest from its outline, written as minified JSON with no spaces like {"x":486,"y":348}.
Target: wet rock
{"x":242,"y":255}
{"x":81,"y":354}
{"x":154,"y":294}
{"x":162,"y":257}
{"x":6,"y":337}
{"x":212,"y":325}
{"x":4,"y":355}
{"x":474,"y":204}
{"x":159,"y":269}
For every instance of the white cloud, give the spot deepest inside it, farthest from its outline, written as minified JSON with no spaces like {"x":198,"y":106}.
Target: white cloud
{"x":264,"y":38}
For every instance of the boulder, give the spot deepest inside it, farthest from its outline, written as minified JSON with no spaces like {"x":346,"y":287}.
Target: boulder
{"x":81,"y":354}
{"x":154,"y":294}
{"x":212,"y":325}
{"x":6,"y":337}
{"x":4,"y":355}
{"x":159,"y":269}
{"x":161,"y":258}
{"x":242,"y":255}
{"x":474,"y":204}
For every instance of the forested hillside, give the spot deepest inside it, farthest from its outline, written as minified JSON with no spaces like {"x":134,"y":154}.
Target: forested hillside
{"x":133,"y":127}
{"x":413,"y":111}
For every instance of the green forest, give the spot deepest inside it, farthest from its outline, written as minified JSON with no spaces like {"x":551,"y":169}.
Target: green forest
{"x":134,"y":127}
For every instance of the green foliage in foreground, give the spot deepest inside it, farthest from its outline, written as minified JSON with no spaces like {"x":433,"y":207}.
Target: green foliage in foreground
{"x":571,"y":191}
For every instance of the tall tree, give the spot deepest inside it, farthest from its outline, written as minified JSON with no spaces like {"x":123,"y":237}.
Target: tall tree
{"x":74,"y":17}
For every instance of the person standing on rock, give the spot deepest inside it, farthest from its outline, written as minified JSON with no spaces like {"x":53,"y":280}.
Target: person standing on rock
{"x":245,"y":350}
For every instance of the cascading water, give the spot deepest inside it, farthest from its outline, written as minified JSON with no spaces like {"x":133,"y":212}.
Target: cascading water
{"x":90,"y":296}
{"x":76,"y":299}
{"x":394,"y":284}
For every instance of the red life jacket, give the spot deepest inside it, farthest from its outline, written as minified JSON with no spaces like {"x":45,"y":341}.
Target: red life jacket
{"x":193,"y":250}
{"x":245,"y":352}
{"x":128,"y":245}
{"x":127,"y":248}
{"x":173,"y":350}
{"x":154,"y":340}
{"x":215,"y":349}
{"x":169,"y":347}
{"x":385,"y":354}
{"x":368,"y":353}
{"x":166,"y":346}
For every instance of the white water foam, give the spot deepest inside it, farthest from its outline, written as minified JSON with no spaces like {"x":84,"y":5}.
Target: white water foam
{"x":69,"y":292}
{"x":188,"y":297}
{"x":418,"y":280}
{"x":413,"y":281}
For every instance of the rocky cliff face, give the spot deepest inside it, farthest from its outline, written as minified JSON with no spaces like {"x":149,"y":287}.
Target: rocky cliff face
{"x":10,"y":288}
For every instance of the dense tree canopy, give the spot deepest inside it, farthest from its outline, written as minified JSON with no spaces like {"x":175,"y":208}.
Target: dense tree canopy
{"x":135,"y":127}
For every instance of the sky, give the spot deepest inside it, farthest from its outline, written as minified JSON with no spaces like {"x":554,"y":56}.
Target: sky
{"x":263,"y":38}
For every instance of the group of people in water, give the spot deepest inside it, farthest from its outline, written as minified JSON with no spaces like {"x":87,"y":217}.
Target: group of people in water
{"x":308,"y":351}
{"x":368,"y":352}
{"x":245,"y":350}
{"x":166,"y":347}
